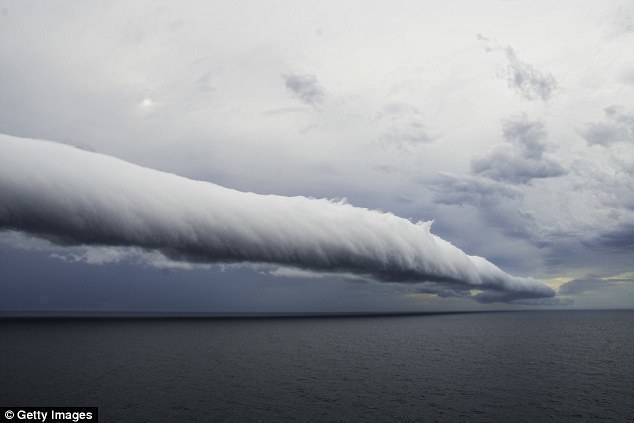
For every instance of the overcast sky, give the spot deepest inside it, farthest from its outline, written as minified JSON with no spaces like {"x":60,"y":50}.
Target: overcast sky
{"x":510,"y":124}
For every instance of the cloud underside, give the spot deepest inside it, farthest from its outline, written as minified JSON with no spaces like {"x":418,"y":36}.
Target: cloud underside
{"x":75,"y":197}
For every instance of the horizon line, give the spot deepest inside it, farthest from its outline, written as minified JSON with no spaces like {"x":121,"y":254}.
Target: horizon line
{"x":176,"y":315}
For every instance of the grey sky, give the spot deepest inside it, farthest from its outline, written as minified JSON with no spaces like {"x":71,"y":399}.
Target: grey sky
{"x":398,"y":109}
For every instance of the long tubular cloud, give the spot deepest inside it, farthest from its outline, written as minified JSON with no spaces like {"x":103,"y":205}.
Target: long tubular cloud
{"x":75,"y":197}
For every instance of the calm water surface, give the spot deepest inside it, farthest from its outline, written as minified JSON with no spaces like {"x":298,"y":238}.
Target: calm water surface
{"x":485,"y":367}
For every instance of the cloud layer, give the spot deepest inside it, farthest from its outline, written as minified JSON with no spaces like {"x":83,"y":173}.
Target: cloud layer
{"x":71,"y":196}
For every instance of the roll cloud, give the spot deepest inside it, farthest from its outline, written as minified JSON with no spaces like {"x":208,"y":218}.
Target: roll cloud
{"x":74,"y":197}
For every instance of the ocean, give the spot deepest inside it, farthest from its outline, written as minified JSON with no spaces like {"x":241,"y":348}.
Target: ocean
{"x":541,"y":366}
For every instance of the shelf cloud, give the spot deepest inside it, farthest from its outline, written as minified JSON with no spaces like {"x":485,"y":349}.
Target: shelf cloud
{"x":75,"y":197}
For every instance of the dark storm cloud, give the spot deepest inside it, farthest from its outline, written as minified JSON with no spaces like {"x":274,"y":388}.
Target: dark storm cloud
{"x":489,"y":297}
{"x":551,"y":302}
{"x":522,"y":77}
{"x":619,"y":126}
{"x":442,"y":291}
{"x":304,"y":87}
{"x":76,"y":197}
{"x":620,"y":238}
{"x":589,"y":283}
{"x":522,"y":158}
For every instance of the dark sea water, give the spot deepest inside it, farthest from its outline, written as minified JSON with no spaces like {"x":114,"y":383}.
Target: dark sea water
{"x":556,"y":366}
